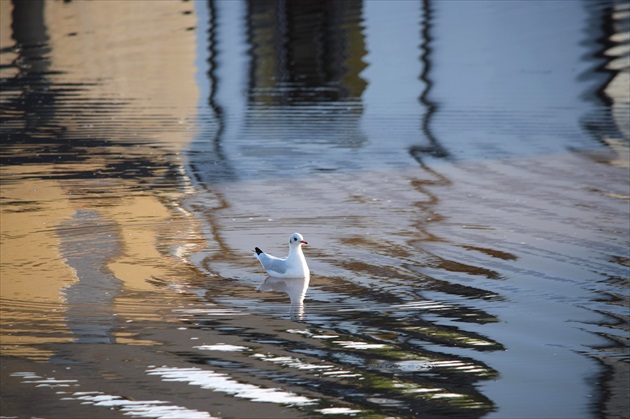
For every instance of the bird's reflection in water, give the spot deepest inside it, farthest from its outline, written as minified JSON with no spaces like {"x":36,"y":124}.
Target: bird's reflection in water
{"x":294,"y":287}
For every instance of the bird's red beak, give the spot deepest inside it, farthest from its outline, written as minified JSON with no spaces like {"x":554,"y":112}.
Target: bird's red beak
{"x":303,"y":242}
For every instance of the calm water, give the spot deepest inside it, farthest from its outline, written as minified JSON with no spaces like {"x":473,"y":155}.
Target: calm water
{"x":459,"y":169}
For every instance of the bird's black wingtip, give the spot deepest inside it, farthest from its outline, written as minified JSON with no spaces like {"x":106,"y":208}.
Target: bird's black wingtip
{"x":258,"y":251}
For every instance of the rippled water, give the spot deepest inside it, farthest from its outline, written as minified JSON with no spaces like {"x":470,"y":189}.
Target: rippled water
{"x":459,"y":169}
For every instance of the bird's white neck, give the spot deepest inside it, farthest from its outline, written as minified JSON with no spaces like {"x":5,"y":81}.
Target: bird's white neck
{"x":295,"y":252}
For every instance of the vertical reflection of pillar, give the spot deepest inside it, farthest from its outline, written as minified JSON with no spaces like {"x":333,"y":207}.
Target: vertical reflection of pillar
{"x":398,"y":77}
{"x":221,"y":78}
{"x":206,"y":157}
{"x":433,"y":148}
{"x":35,"y":104}
{"x":609,"y":121}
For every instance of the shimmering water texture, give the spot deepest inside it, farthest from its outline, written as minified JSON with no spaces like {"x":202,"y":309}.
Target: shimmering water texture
{"x":460,"y":170}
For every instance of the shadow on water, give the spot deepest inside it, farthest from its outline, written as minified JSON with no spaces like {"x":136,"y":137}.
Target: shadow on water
{"x":90,"y":300}
{"x":432,"y":153}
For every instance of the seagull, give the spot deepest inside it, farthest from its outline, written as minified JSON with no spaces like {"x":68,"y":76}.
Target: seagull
{"x":293,"y":266}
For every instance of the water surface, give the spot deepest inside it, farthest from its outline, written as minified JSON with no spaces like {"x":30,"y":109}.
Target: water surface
{"x":459,"y":169}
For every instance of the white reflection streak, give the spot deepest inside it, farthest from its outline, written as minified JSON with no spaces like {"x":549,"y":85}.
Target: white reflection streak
{"x":212,"y":311}
{"x":339,"y":411}
{"x":222,"y":347}
{"x":420,"y":305}
{"x":221,"y":382}
{"x":359,"y":345}
{"x":288,"y":361}
{"x":137,"y":408}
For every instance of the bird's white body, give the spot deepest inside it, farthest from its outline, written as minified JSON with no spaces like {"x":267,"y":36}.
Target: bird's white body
{"x":293,"y":266}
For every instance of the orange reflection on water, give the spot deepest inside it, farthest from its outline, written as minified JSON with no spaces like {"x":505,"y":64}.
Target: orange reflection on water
{"x":135,"y":98}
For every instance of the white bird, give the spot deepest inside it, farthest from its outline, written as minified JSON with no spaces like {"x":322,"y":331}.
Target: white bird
{"x":293,"y":266}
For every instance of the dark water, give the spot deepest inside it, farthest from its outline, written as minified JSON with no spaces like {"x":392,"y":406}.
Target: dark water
{"x":460,"y":170}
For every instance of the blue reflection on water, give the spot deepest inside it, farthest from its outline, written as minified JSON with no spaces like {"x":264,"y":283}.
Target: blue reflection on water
{"x":360,"y":87}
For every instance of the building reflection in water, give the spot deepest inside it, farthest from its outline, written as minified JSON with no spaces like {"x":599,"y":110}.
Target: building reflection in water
{"x":302,"y":78}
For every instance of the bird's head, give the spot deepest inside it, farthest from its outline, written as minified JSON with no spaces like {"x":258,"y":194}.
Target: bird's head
{"x":296,"y":239}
